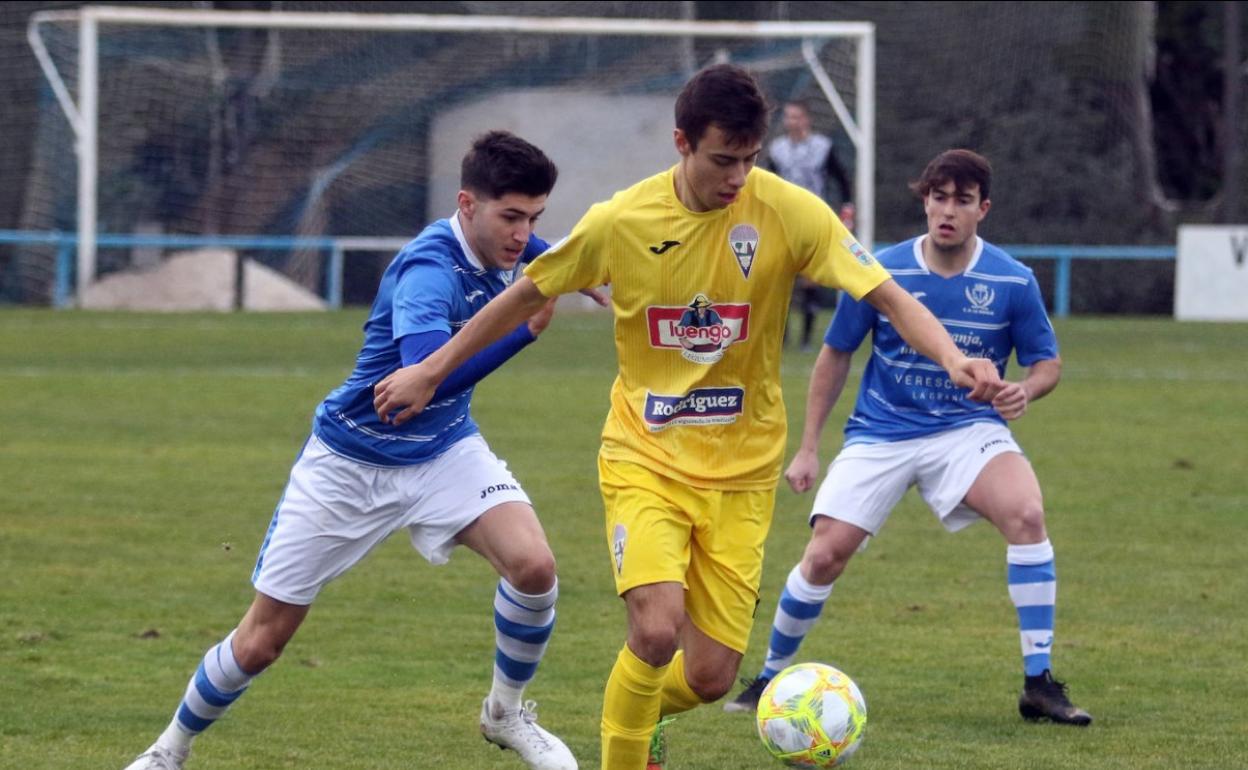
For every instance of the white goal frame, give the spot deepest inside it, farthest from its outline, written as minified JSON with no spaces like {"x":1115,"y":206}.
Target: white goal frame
{"x":83,"y":115}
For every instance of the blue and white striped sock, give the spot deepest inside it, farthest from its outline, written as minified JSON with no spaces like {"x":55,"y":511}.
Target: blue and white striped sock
{"x":1033,"y":589}
{"x":217,"y":683}
{"x":799,"y":608}
{"x":522,"y":626}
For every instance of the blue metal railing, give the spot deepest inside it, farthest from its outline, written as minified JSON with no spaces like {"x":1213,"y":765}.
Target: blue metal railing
{"x":1063,"y":256}
{"x":65,"y":243}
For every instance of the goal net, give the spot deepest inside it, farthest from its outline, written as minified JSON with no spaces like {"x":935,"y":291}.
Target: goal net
{"x":325,"y":125}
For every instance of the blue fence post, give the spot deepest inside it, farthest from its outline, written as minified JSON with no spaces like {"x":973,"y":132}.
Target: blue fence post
{"x":333,"y":282}
{"x":62,"y":290}
{"x":1061,"y":289}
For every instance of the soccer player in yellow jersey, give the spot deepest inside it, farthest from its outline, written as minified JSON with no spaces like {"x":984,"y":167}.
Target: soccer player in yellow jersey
{"x":701,"y":260}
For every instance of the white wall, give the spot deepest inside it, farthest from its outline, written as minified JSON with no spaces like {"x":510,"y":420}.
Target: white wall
{"x":600,"y":143}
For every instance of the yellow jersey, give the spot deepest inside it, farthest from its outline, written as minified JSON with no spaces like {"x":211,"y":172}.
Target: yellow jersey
{"x":700,"y":302}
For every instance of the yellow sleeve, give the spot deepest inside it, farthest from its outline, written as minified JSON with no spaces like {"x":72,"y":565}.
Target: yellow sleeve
{"x":579,"y":261}
{"x":830,"y":255}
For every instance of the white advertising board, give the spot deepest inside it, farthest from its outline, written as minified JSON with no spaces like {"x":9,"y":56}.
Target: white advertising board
{"x":1211,"y":274}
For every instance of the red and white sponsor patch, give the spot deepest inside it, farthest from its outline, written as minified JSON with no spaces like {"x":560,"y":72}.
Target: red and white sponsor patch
{"x":670,"y":327}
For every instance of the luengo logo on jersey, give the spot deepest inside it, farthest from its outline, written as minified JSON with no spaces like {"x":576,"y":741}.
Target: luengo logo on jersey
{"x":701,"y":406}
{"x":700,"y":330}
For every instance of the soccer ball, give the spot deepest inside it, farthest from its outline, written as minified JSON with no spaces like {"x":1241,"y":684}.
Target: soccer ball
{"x":811,"y":715}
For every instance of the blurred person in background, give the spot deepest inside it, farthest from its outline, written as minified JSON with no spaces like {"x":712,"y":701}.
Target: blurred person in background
{"x":807,"y":159}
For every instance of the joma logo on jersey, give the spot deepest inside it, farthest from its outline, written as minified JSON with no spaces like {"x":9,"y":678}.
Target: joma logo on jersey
{"x":701,"y":330}
{"x":703,"y":406}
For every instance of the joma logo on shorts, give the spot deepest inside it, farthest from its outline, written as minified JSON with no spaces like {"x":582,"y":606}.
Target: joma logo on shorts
{"x":498,"y":488}
{"x":992,"y":443}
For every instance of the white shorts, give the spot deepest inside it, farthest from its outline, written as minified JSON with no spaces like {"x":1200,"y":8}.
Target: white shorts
{"x":866,"y":481}
{"x":335,"y":511}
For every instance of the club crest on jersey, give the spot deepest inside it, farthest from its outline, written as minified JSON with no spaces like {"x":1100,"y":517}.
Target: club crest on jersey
{"x":743,"y":240}
{"x":701,"y":330}
{"x":980,"y":296}
{"x":701,"y":406}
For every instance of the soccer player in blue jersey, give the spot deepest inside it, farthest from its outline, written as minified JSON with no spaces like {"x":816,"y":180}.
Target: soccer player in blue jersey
{"x":911,"y":426}
{"x":359,"y":480}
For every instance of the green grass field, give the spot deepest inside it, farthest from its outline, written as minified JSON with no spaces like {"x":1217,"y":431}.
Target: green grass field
{"x":141,"y":457}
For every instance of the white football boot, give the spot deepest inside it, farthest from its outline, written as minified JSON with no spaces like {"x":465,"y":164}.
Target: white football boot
{"x":160,"y":758}
{"x":520,"y":732}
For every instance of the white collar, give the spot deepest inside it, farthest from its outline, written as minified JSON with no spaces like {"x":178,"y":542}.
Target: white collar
{"x":922,"y":262}
{"x":463,"y":242}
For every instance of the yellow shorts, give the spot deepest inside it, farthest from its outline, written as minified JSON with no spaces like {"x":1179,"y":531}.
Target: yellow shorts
{"x":708,"y":540}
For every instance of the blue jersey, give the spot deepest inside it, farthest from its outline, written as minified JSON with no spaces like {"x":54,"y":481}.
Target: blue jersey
{"x":992,"y":308}
{"x":434,"y":284}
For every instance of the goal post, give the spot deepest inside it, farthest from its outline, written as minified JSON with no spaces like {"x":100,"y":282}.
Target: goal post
{"x":125,"y":80}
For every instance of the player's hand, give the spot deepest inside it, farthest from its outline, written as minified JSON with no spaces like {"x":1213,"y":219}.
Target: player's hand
{"x":403,"y":394}
{"x":1011,"y":401}
{"x":803,"y":471}
{"x":978,"y":374}
{"x":541,"y":319}
{"x":598,"y":296}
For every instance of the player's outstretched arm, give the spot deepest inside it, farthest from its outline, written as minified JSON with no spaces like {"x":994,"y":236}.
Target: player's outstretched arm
{"x":919,"y":327}
{"x":827,"y":380}
{"x":404,"y":393}
{"x":1011,"y":402}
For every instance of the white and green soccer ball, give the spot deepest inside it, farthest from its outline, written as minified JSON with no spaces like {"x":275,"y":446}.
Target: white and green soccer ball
{"x":811,"y":715}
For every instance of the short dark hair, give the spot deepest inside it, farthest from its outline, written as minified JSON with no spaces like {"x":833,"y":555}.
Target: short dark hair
{"x":727,"y":96}
{"x":964,"y":168}
{"x":500,"y":162}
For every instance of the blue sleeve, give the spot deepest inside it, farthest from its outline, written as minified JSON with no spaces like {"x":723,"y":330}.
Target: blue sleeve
{"x":850,"y":324}
{"x":1030,"y":330}
{"x":422,"y":298}
{"x":417,"y":347}
{"x":534,"y":249}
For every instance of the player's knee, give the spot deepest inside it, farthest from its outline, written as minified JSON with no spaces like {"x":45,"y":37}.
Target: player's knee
{"x":535,"y":573}
{"x":824,"y":566}
{"x":655,"y":643}
{"x":1028,"y":522}
{"x":256,"y":653}
{"x":710,"y":685}
{"x":825,"y":560}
